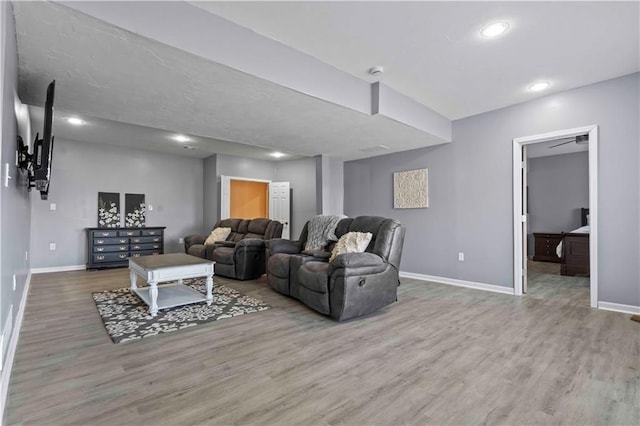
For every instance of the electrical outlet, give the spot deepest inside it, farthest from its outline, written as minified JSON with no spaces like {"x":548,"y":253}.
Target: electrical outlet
{"x":461,"y":257}
{"x":180,"y":240}
{"x":52,"y":246}
{"x":52,"y":206}
{"x":150,"y":207}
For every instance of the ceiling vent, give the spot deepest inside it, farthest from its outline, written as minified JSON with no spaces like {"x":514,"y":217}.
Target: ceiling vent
{"x":376,"y":148}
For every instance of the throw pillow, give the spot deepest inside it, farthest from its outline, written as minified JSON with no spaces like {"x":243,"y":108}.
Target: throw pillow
{"x":351,"y":242}
{"x":218,"y":234}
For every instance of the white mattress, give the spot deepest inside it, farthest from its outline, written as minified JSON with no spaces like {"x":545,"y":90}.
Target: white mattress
{"x":582,"y":230}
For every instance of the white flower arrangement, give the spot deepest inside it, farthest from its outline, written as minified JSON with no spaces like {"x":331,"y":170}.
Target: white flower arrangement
{"x":136,"y":219}
{"x":108,"y":216}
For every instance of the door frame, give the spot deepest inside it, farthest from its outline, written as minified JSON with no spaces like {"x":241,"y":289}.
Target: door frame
{"x":225,"y":208}
{"x":518,"y":237}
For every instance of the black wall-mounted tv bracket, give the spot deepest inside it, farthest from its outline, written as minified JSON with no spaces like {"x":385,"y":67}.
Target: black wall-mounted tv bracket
{"x":25,"y":162}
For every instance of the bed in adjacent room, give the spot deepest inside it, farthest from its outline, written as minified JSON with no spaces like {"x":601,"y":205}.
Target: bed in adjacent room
{"x":573,"y":250}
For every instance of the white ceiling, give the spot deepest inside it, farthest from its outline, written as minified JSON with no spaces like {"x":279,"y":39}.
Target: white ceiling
{"x":433,"y":51}
{"x":138,"y":90}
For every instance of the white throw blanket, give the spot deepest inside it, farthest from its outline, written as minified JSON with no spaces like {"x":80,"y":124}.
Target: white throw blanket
{"x":581,"y":230}
{"x":321,"y":230}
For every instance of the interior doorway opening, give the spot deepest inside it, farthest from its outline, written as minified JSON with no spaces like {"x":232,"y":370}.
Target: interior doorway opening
{"x":574,"y":249}
{"x":248,"y":198}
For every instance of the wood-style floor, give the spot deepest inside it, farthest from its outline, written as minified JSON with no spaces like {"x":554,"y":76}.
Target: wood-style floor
{"x":545,"y":282}
{"x":440,"y":355}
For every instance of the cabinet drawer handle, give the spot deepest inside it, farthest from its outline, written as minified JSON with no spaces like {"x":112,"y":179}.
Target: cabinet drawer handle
{"x":122,"y":256}
{"x":152,"y":232}
{"x":136,"y":240}
{"x":136,"y":247}
{"x":122,"y":248}
{"x":156,"y":246}
{"x":105,"y":234}
{"x":100,"y":257}
{"x":136,"y":254}
{"x":129,"y":233}
{"x":99,"y":241}
{"x":123,"y":241}
{"x":155,"y":240}
{"x":99,"y":248}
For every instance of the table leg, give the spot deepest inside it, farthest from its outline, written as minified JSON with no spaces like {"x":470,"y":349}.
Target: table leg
{"x":180,"y":281}
{"x":209,"y":290}
{"x":133,"y":277}
{"x":153,"y":292}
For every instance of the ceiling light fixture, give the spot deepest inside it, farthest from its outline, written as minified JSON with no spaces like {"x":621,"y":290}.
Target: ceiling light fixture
{"x":541,"y":85}
{"x":75,"y":121}
{"x":376,"y":71}
{"x":181,"y":138}
{"x":494,"y":30}
{"x":277,"y":154}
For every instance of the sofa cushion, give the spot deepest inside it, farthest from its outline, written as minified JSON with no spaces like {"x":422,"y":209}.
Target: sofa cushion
{"x":351,"y":242}
{"x":218,"y":234}
{"x":224,"y":255}
{"x":314,"y":276}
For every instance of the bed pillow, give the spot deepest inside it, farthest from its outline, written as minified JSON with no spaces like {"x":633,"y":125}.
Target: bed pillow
{"x":218,"y":234}
{"x":351,"y":242}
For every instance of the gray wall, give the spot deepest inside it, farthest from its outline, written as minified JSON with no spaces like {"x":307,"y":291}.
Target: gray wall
{"x":470,"y":188}
{"x":558,"y":189}
{"x":14,"y":200}
{"x":172,"y":185}
{"x":329,"y":185}
{"x":299,"y":173}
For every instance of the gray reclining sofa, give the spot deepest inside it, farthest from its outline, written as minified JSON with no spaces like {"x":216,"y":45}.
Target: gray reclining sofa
{"x":353,"y":284}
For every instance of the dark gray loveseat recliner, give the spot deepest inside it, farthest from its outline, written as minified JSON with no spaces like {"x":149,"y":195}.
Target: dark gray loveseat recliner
{"x":353,"y":284}
{"x":242,"y":255}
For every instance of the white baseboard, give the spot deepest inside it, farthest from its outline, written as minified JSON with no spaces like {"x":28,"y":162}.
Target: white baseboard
{"x":458,"y":283}
{"x":58,"y":269}
{"x":617,"y":307}
{"x":11,"y":351}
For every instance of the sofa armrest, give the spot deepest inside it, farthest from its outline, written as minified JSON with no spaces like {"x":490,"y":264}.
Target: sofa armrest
{"x":192,"y":239}
{"x":225,"y":243}
{"x":356,"y":260}
{"x":280,"y":245}
{"x":249,"y":242}
{"x":318,"y":254}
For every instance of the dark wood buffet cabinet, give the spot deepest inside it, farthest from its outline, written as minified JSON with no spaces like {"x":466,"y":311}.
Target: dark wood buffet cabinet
{"x":545,"y":247}
{"x":112,"y":247}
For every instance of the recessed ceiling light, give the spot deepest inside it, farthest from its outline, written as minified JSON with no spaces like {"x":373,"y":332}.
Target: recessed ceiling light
{"x":75,"y":121}
{"x":494,"y":30}
{"x":277,"y":154}
{"x":181,"y":138}
{"x":541,"y":85}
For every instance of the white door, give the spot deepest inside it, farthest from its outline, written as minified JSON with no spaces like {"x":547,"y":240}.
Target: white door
{"x":525,"y":207}
{"x":225,"y":197}
{"x":280,"y":205}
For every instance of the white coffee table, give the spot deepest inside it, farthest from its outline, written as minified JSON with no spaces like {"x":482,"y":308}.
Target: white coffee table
{"x":170,"y":267}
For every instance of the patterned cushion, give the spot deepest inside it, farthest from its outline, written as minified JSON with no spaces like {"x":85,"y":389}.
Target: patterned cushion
{"x":351,"y":242}
{"x":218,"y":234}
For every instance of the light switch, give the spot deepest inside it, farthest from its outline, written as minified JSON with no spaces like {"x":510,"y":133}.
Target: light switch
{"x":52,"y":246}
{"x":150,"y":207}
{"x":52,"y":206}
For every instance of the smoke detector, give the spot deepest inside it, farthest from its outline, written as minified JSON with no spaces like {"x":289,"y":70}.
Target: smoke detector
{"x":376,"y":71}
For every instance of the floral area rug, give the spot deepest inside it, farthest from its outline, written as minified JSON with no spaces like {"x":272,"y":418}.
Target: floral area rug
{"x":126,"y":317}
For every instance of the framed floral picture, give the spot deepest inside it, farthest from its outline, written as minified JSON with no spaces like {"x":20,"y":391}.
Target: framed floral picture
{"x":134,"y":210}
{"x":108,"y":210}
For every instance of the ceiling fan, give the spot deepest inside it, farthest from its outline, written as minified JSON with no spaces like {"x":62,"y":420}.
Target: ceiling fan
{"x":580,"y":140}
